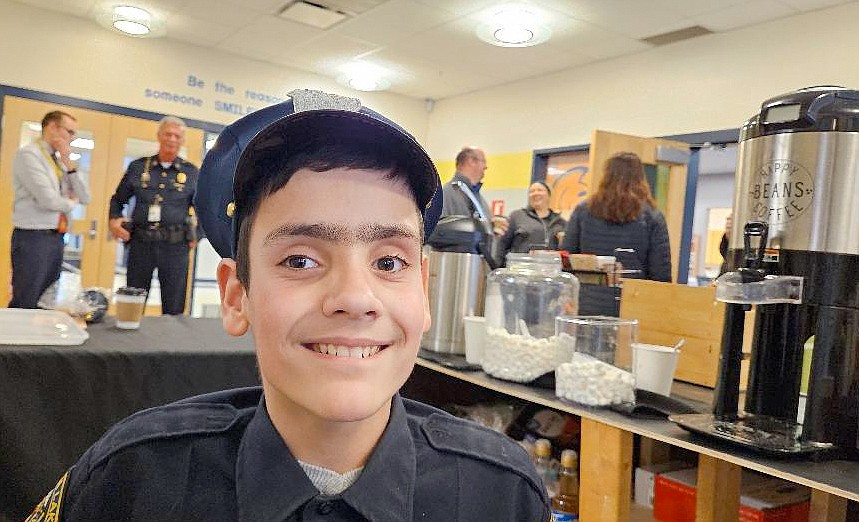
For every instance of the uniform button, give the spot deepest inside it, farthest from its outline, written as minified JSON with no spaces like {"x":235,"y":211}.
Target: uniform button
{"x":161,"y":185}
{"x":324,"y":508}
{"x":163,"y":174}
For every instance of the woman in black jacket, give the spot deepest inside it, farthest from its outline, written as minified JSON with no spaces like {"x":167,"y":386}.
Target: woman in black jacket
{"x":534,"y":227}
{"x":621,"y":220}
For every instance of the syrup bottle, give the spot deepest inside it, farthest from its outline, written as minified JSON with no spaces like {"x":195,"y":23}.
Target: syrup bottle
{"x":565,"y":505}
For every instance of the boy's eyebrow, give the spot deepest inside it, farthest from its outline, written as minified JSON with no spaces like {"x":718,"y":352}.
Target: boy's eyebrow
{"x":367,"y":233}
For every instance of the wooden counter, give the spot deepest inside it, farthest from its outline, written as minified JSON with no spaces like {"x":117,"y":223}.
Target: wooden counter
{"x":606,"y":457}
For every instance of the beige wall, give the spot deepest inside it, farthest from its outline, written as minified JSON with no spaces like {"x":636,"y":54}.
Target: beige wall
{"x":62,"y":54}
{"x":710,"y":83}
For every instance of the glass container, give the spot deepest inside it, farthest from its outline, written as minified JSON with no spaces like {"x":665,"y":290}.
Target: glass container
{"x":522,"y":301}
{"x":597,"y":372}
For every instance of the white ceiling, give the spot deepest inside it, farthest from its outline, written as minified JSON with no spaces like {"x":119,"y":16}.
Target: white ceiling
{"x":428,"y":48}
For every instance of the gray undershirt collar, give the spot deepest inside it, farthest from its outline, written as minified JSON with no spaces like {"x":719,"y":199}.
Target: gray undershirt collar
{"x":330,"y":482}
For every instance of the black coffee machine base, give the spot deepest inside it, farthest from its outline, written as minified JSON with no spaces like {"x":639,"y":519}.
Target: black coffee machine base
{"x":760,"y":433}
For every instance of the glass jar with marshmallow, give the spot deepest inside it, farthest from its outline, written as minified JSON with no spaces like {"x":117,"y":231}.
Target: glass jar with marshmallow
{"x":522,"y":301}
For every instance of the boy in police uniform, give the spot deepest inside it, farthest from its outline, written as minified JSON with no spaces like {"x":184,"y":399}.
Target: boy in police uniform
{"x":319,"y":207}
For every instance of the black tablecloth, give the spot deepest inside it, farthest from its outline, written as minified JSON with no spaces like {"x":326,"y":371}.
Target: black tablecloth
{"x":55,"y":401}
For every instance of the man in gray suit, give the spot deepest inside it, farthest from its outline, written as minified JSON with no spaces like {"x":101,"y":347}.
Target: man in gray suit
{"x":47,"y":187}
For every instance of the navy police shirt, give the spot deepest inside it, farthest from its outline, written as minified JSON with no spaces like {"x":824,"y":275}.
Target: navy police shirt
{"x":217,"y":457}
{"x":150,"y":183}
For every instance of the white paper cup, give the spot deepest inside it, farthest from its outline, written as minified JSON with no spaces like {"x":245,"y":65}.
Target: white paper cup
{"x":129,"y":305}
{"x":605,"y":262}
{"x":475,"y":338}
{"x":653,"y":366}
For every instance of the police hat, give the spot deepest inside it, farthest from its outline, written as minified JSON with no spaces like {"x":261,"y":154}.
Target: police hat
{"x":258,"y":143}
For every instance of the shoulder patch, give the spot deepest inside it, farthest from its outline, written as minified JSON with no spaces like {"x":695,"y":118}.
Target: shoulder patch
{"x":162,"y":422}
{"x":49,"y":509}
{"x":451,"y":434}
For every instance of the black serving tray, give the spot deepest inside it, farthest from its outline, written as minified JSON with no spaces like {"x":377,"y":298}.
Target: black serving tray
{"x":764,"y":434}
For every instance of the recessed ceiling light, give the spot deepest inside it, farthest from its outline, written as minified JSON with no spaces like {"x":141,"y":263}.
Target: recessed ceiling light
{"x":363,"y":83}
{"x":514,"y":26}
{"x":513,"y":35}
{"x":130,"y":20}
{"x":363,"y":76}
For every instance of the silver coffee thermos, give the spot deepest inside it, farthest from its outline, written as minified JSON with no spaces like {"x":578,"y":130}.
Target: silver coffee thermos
{"x":459,"y":260}
{"x":457,"y":281}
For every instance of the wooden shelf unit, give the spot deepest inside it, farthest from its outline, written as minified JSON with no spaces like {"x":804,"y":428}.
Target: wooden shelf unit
{"x":607,"y":452}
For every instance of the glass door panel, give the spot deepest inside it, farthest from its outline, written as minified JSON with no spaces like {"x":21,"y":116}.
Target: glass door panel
{"x":206,"y":298}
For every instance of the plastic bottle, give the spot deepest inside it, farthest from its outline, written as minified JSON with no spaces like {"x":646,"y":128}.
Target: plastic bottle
{"x":543,"y":463}
{"x":528,"y":446}
{"x":565,"y":505}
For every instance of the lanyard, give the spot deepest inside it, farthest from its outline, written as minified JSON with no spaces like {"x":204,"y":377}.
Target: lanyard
{"x":53,"y":161}
{"x":63,"y":221}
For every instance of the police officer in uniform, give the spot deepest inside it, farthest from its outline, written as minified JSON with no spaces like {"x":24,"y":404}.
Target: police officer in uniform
{"x":319,"y":207}
{"x":163,"y":226}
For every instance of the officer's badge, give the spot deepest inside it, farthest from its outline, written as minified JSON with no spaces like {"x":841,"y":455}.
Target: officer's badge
{"x":181,"y":177}
{"x":50,"y":507}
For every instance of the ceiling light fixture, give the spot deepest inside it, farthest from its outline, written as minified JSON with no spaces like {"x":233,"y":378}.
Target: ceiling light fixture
{"x":363,"y":83}
{"x":514,"y":26}
{"x":363,"y":76}
{"x":132,"y":20}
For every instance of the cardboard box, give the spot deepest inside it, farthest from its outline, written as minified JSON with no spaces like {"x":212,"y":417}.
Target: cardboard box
{"x":583,"y":262}
{"x":645,"y":478}
{"x":762,"y":498}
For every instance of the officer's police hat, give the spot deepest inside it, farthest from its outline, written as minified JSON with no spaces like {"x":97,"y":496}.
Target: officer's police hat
{"x":256,"y":144}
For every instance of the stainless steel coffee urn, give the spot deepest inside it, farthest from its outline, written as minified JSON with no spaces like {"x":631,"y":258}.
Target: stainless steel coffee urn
{"x":457,"y":283}
{"x":459,"y":258}
{"x":794,"y":256}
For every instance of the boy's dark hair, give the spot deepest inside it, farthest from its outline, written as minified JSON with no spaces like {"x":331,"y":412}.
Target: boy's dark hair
{"x":319,"y":157}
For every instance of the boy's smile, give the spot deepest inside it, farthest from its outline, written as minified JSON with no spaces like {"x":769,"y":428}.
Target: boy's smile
{"x":336,"y":301}
{"x":342,"y":350}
